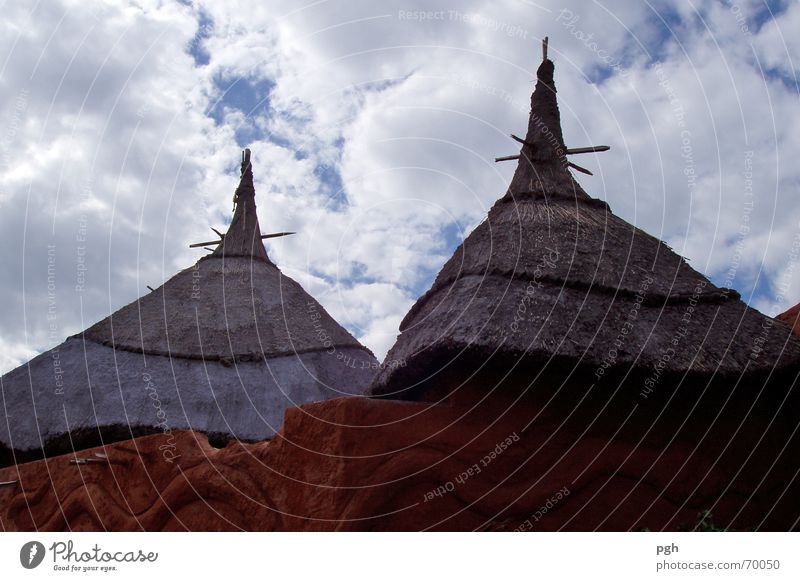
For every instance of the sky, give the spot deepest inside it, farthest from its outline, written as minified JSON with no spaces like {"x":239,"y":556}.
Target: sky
{"x":374,"y":126}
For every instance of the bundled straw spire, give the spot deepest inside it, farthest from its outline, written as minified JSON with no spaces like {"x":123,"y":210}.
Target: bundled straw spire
{"x":244,"y":234}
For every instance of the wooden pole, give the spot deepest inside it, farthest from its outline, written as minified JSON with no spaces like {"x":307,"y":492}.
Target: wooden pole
{"x":579,"y":168}
{"x":199,"y":244}
{"x":593,"y":149}
{"x":520,"y":140}
{"x":276,"y":235}
{"x":544,"y":48}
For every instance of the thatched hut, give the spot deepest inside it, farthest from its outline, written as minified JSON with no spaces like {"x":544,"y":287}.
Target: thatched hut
{"x":223,"y":347}
{"x":553,"y":287}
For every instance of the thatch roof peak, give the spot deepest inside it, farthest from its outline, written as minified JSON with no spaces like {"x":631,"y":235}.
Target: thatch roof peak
{"x":246,"y":187}
{"x":543,"y":166}
{"x":243,"y":237}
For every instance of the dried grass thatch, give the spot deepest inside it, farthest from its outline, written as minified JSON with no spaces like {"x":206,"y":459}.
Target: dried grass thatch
{"x":223,"y":347}
{"x":552,"y":274}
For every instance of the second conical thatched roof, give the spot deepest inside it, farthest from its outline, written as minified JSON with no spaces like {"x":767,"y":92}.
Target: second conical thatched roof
{"x":553,"y":275}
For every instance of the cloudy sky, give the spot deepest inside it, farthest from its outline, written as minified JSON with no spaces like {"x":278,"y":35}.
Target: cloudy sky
{"x":373,"y":127}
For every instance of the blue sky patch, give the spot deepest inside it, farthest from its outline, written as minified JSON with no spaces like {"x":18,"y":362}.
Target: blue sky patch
{"x":205,"y":26}
{"x":248,"y":96}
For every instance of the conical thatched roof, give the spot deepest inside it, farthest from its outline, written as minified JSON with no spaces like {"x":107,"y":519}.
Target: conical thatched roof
{"x":223,"y":347}
{"x":552,"y":278}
